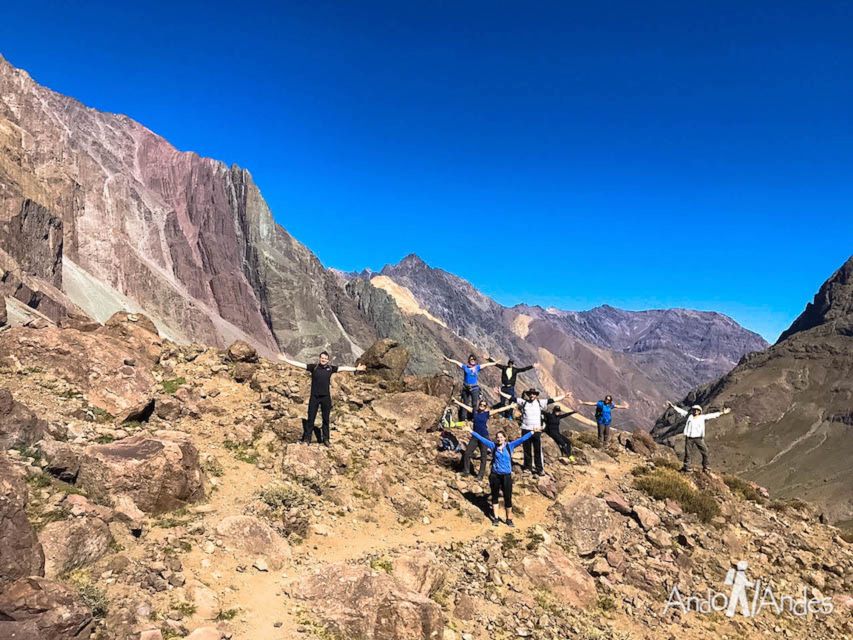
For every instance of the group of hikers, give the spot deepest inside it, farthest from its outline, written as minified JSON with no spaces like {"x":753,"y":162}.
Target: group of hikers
{"x":474,"y":411}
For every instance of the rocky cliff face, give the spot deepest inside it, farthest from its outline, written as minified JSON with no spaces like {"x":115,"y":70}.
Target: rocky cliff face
{"x":792,"y":406}
{"x":115,"y":217}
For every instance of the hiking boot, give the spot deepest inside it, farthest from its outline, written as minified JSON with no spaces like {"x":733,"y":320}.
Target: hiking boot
{"x":510,"y":524}
{"x":326,"y":443}
{"x":685,"y":470}
{"x":539,"y":472}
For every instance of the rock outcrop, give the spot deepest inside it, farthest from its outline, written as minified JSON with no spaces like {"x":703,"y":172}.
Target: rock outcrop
{"x":39,"y":609}
{"x":19,"y":427}
{"x":21,"y":554}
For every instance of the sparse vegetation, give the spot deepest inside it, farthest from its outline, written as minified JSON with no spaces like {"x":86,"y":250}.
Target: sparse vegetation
{"x":381,"y":564}
{"x":588,"y":438}
{"x":281,"y":496}
{"x":212,"y":466}
{"x":509,"y":542}
{"x":606,"y":603}
{"x":186,"y":609}
{"x":242,"y":452}
{"x":743,"y":488}
{"x":101,"y":415}
{"x":667,"y":484}
{"x":227,"y":614}
{"x":104,"y":438}
{"x":171,"y":386}
{"x":90,"y":593}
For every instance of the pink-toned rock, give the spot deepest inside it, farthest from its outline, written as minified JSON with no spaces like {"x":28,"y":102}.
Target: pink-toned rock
{"x":21,"y":554}
{"x":550,"y":568}
{"x":242,"y":351}
{"x":410,"y":410}
{"x":40,"y":609}
{"x":19,"y":427}
{"x":647,"y":518}
{"x":355,"y":602}
{"x":151,"y":634}
{"x":159,"y":473}
{"x":618,"y":504}
{"x":73,"y":543}
{"x":255,"y":537}
{"x":419,"y":570}
{"x":588,"y":522}
{"x":205,"y":633}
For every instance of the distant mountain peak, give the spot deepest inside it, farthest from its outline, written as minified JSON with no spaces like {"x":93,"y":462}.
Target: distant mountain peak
{"x":832,"y":302}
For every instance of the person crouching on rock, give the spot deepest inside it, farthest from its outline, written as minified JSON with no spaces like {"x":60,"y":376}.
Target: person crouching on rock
{"x":321,"y":395}
{"x":500,"y":478}
{"x":481,"y":426}
{"x":694,"y":433}
{"x":471,"y":382}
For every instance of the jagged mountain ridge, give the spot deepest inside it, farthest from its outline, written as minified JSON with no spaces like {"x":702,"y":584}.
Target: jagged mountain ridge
{"x":792,"y":406}
{"x":643,"y":357}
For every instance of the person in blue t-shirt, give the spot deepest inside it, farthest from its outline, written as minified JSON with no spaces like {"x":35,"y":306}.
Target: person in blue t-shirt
{"x":481,"y":426}
{"x":603,"y":416}
{"x":470,"y":394}
{"x":500,"y":479}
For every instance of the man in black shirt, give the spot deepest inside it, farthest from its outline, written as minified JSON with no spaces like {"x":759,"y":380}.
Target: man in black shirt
{"x":321,"y":394}
{"x":552,"y":428}
{"x":509,"y":375}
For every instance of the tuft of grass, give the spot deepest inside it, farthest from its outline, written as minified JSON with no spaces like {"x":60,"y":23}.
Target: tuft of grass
{"x":212,"y":467}
{"x":241,"y":452}
{"x":589,"y":438}
{"x":171,"y":386}
{"x":666,"y":484}
{"x":104,"y":438}
{"x":281,"y":496}
{"x":90,"y":593}
{"x":666,"y":463}
{"x":39,"y":481}
{"x":742,"y":488}
{"x":509,"y":542}
{"x":381,"y":564}
{"x":227,"y":614}
{"x":186,"y":609}
{"x":102,"y":416}
{"x":534,"y":539}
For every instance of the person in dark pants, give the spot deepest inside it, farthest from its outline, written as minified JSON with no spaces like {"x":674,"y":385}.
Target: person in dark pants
{"x":320,"y":396}
{"x":603,"y":416}
{"x":509,"y":376}
{"x":470,"y":394}
{"x":552,"y":428}
{"x":694,"y":432}
{"x":481,"y":426}
{"x":531,"y":420}
{"x":500,"y":478}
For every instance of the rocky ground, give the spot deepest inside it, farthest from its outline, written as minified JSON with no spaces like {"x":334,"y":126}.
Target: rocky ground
{"x":150,"y":491}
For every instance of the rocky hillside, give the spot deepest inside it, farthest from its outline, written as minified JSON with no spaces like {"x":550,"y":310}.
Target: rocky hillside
{"x":641,"y":357}
{"x":98,"y":214}
{"x":152,"y":491}
{"x":792,"y":406}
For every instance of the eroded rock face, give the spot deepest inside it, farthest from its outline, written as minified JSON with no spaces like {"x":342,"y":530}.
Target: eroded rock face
{"x":71,"y":544}
{"x":159,"y":473}
{"x":356,"y":602}
{"x":18,"y":425}
{"x":385,"y":359}
{"x":20,"y":552}
{"x":550,"y":568}
{"x":588,"y":521}
{"x":39,"y":608}
{"x":254,"y":537}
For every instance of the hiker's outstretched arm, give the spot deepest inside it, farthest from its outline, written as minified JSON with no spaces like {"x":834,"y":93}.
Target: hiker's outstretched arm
{"x":512,"y":445}
{"x":456,"y":362}
{"x":717,"y":414}
{"x":505,"y":395}
{"x":523,"y":369}
{"x":583,"y":420}
{"x":345,"y":369}
{"x":624,"y":405}
{"x":557,"y":399}
{"x":589,"y":404}
{"x":463,"y":405}
{"x":489,"y":364}
{"x":506,"y":407}
{"x":485,"y":441}
{"x":293,"y":363}
{"x":678,"y":410}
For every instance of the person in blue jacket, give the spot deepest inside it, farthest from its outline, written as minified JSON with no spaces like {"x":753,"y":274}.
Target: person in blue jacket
{"x":470,"y":394}
{"x":481,"y":426}
{"x":603,"y":416}
{"x":500,"y":479}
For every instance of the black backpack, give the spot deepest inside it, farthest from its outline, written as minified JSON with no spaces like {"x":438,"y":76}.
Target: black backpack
{"x":598,"y":412}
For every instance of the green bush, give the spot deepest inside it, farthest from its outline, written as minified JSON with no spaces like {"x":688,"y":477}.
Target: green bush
{"x":667,"y":484}
{"x":171,"y":386}
{"x":742,"y":488}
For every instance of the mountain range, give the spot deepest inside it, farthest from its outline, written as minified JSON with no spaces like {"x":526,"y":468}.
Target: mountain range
{"x":98,"y":214}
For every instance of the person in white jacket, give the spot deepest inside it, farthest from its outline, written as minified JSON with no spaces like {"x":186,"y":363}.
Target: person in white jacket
{"x":531,"y":421}
{"x":694,"y":432}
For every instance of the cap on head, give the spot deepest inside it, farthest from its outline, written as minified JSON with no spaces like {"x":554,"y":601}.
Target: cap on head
{"x":510,"y":362}
{"x":533,"y":392}
{"x":696,"y":407}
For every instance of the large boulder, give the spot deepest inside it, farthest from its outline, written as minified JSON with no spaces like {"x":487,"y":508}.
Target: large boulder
{"x":356,"y":602}
{"x":410,"y":409}
{"x":588,"y":522}
{"x":36,"y":608}
{"x":419,"y":570}
{"x":550,"y":568}
{"x":385,"y":359}
{"x":255,"y":537}
{"x":159,"y":473}
{"x":18,"y":425}
{"x":62,"y":459}
{"x":242,"y":351}
{"x":74,"y":543}
{"x":20,"y":552}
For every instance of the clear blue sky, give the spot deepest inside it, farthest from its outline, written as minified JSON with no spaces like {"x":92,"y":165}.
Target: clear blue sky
{"x":641,"y":154}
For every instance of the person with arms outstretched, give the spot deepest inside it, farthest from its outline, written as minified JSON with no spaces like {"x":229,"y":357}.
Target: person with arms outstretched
{"x":481,"y":426}
{"x":470,"y":394}
{"x":509,"y":376}
{"x":603,"y":416}
{"x":320,"y":395}
{"x":694,"y":432}
{"x":552,"y":428}
{"x":500,"y":478}
{"x":531,"y":421}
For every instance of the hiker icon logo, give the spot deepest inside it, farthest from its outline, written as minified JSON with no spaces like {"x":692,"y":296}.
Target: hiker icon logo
{"x":749,"y":597}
